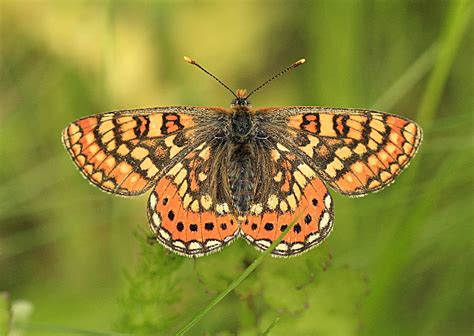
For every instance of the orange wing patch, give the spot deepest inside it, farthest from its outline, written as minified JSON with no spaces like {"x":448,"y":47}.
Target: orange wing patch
{"x":184,"y":216}
{"x":123,"y":153}
{"x":296,"y":191}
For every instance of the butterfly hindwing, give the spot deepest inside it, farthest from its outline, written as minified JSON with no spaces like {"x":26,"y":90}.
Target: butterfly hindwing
{"x":295,"y":190}
{"x":186,"y":214}
{"x":355,"y":151}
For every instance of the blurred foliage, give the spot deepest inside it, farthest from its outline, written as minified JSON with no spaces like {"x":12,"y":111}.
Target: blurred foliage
{"x":398,"y":262}
{"x":5,"y":313}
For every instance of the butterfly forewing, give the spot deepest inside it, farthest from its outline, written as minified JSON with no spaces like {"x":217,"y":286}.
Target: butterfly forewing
{"x":124,"y":152}
{"x":355,"y":151}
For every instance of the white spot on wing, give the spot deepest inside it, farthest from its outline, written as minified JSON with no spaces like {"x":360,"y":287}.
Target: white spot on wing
{"x":282,"y":148}
{"x":222,"y":208}
{"x":328,"y":201}
{"x":179,"y":244}
{"x":213,"y":243}
{"x":272,"y":202}
{"x":194,"y":246}
{"x":153,"y":200}
{"x":165,"y":235}
{"x":156,"y":219}
{"x":312,"y":237}
{"x":263,"y":243}
{"x":282,"y":247}
{"x":256,"y":209}
{"x":297,"y":246}
{"x":324,"y":220}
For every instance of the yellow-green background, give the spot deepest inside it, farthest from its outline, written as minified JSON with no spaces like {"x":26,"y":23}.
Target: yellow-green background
{"x":398,"y":262}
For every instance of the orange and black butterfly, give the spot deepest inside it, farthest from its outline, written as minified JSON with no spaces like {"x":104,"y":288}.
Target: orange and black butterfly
{"x":217,"y":174}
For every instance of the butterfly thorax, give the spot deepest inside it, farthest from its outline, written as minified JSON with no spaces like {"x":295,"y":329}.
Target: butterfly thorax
{"x":241,"y":126}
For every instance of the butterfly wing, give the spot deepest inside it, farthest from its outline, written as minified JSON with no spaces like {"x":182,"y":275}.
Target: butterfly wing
{"x":294,"y":190}
{"x":187,"y":210}
{"x":125,"y":152}
{"x":355,"y":151}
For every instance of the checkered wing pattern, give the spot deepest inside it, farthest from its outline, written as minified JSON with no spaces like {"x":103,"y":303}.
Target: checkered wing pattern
{"x":354,"y":151}
{"x":188,"y":209}
{"x":294,"y":190}
{"x":125,"y":152}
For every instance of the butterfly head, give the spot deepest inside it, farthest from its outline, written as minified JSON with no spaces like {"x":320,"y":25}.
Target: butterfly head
{"x":241,"y":99}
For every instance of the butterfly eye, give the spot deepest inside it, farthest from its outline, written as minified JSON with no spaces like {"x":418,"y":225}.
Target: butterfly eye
{"x":240,"y":102}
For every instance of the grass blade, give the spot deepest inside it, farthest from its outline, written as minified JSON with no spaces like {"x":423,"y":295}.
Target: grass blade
{"x":271,"y":326}
{"x":406,"y":82}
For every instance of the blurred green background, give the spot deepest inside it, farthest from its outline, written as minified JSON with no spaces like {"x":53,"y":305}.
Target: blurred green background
{"x":75,"y":260}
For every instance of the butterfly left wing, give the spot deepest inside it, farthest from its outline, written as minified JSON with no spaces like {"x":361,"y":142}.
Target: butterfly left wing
{"x":188,"y":211}
{"x":355,"y":151}
{"x":124,"y":152}
{"x":294,"y":190}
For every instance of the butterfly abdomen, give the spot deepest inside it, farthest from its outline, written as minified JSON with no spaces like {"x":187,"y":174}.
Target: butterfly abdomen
{"x":241,"y":178}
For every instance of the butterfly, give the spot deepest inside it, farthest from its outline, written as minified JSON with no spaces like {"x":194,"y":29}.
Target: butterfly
{"x":217,"y":174}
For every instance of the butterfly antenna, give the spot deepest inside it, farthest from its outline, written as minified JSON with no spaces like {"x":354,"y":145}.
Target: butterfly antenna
{"x":294,"y":65}
{"x":193,"y":62}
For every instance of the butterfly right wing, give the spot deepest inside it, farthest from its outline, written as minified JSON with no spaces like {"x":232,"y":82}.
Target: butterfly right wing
{"x":355,"y":151}
{"x":124,"y":152}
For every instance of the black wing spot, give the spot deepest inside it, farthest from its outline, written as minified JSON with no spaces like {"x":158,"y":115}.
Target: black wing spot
{"x":171,"y":215}
{"x":165,"y":200}
{"x":223,"y":226}
{"x":268,"y":226}
{"x":193,"y":227}
{"x":180,"y":226}
{"x":315,"y":202}
{"x":209,"y":226}
{"x":297,"y":228}
{"x":307,"y":219}
{"x":254,"y":226}
{"x":283,"y":227}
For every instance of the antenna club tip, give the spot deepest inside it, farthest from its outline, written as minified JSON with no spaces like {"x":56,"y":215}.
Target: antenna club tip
{"x":300,"y":61}
{"x":189,"y":60}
